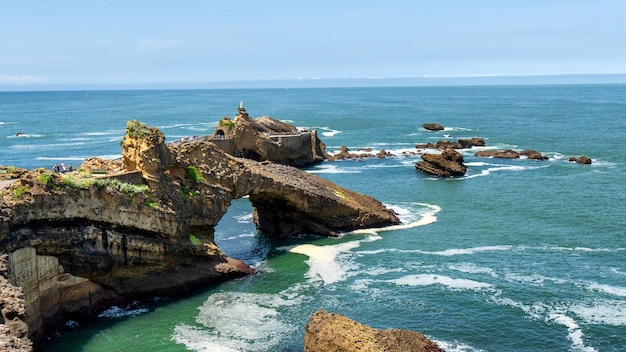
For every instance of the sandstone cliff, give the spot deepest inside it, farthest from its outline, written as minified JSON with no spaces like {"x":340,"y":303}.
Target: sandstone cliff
{"x":335,"y":333}
{"x":76,"y":243}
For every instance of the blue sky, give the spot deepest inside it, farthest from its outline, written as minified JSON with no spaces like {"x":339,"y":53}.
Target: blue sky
{"x":160,"y":43}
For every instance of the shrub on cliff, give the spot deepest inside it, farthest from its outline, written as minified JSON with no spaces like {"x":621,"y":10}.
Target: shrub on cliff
{"x":192,"y":173}
{"x":137,"y":129}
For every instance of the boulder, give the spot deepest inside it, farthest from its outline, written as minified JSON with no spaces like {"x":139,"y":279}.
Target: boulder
{"x":447,"y":164}
{"x":533,"y":154}
{"x":503,"y":154}
{"x":329,"y":332}
{"x":433,"y":127}
{"x":459,"y":144}
{"x":580,"y":160}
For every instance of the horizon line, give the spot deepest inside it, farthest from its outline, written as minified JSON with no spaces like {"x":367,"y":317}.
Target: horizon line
{"x":316,"y":82}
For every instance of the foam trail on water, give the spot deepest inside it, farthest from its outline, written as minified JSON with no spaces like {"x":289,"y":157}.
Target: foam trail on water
{"x":324,"y":261}
{"x":231,"y":321}
{"x":431,"y":279}
{"x":574,"y":333}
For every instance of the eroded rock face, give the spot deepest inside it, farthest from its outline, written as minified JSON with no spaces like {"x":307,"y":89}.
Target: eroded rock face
{"x":76,"y":244}
{"x":268,"y":139}
{"x":327,"y":332}
{"x":447,"y":164}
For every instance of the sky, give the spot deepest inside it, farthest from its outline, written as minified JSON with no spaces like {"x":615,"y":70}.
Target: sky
{"x":140,"y":43}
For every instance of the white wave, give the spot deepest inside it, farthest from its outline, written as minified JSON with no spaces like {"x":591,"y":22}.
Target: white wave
{"x":26,"y":135}
{"x":231,"y":321}
{"x":609,"y":312}
{"x":472,"y":268}
{"x":235,"y":237}
{"x":323,"y":263}
{"x":327,"y":168}
{"x":103,"y":133}
{"x":431,"y":279}
{"x":534,"y":279}
{"x":456,"y":129}
{"x":246,"y":218}
{"x":45,"y":146}
{"x":7,"y":123}
{"x":76,"y":158}
{"x":469,"y":251}
{"x":488,"y":171}
{"x":574,"y":333}
{"x":610,"y":289}
{"x":328,"y":132}
{"x":117,"y":312}
{"x":455,"y":346}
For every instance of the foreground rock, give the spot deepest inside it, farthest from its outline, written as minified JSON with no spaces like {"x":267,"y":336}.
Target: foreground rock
{"x":335,"y":333}
{"x":447,"y":164}
{"x":76,"y":244}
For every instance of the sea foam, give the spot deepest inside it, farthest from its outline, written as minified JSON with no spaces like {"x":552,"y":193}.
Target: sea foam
{"x":236,"y":321}
{"x":432,"y":279}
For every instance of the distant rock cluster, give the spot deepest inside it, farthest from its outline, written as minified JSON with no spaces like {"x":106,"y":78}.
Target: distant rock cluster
{"x":450,"y":163}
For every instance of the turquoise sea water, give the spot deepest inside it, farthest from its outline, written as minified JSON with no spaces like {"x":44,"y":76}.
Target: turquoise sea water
{"x":519,"y":255}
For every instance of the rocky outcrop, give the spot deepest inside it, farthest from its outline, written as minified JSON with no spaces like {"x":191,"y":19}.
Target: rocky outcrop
{"x":433,"y":127}
{"x":13,"y":327}
{"x":580,"y":160}
{"x":511,"y":154}
{"x":335,"y":333}
{"x":268,"y":139}
{"x":447,"y":164}
{"x":344,"y":153}
{"x":462,"y":143}
{"x":77,"y":243}
{"x":500,"y":154}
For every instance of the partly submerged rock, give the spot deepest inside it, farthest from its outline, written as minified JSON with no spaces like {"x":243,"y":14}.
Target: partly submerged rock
{"x":433,"y":127}
{"x":329,"y":332}
{"x":447,"y":164}
{"x":581,"y":160}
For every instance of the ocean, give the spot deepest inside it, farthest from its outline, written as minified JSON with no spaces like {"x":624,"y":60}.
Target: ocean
{"x":518,"y":255}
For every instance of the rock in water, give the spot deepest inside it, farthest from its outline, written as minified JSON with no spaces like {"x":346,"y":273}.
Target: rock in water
{"x":433,"y":127}
{"x":335,"y":333}
{"x":447,"y":164}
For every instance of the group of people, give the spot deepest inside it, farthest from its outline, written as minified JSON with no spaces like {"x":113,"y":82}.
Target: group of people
{"x":62,"y":168}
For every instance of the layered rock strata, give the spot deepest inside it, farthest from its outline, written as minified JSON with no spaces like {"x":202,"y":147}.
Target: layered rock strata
{"x":328,"y":332}
{"x":77,"y":243}
{"x":447,"y":164}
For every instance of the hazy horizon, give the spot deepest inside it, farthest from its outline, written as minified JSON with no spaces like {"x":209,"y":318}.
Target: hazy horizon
{"x":154,"y":44}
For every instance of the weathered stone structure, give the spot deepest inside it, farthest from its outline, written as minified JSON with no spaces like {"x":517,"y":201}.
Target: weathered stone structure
{"x":76,"y":244}
{"x":268,"y":139}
